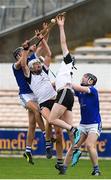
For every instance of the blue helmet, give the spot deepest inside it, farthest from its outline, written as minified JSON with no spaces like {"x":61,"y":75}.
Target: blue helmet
{"x":17,"y":51}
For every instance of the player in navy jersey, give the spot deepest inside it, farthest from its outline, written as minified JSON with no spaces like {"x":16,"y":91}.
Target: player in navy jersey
{"x":90,"y":123}
{"x":28,"y":100}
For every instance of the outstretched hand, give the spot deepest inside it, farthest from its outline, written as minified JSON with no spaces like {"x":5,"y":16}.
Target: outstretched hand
{"x":45,"y":26}
{"x":38,"y":34}
{"x":60,"y":20}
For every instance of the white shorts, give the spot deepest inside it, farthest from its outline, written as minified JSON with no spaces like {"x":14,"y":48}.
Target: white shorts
{"x":89,"y":128}
{"x":25,"y":98}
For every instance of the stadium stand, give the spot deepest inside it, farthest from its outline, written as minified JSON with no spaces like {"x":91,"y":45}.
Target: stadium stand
{"x":99,"y":51}
{"x":13,"y":115}
{"x":88,"y":58}
{"x":104,"y":42}
{"x":93,"y":50}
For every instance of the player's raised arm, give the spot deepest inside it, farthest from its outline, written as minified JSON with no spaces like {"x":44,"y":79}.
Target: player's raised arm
{"x":60,"y":22}
{"x":45,"y":47}
{"x":24,"y":58}
{"x":17,"y":53}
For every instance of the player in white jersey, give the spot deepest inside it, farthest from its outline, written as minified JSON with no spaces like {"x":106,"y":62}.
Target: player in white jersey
{"x":65,"y":98}
{"x":49,"y":136}
{"x":37,"y":77}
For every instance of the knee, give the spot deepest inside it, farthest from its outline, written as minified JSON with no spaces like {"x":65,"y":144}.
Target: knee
{"x":35,"y":110}
{"x":89,"y":145}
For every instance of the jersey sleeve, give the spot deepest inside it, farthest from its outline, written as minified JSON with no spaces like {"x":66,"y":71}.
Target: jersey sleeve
{"x":14,"y":66}
{"x":93,"y":90}
{"x":76,"y":93}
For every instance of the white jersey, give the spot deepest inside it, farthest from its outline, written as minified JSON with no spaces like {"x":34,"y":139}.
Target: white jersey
{"x":64,"y":75}
{"x":42,"y":87}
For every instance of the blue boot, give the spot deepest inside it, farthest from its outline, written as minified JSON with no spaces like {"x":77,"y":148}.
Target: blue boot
{"x":76,"y":155}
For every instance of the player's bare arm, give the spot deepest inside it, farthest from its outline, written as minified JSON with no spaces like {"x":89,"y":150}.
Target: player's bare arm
{"x":24,"y":59}
{"x":47,"y":50}
{"x":81,"y":88}
{"x":60,"y":22}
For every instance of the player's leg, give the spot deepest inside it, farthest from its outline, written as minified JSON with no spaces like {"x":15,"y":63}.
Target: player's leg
{"x":68,"y":117}
{"x":64,"y":102}
{"x":49,"y":146}
{"x":29,"y":102}
{"x":30,"y":137}
{"x":59,"y":149}
{"x":73,"y":153}
{"x":31,"y":128}
{"x":34,"y":116}
{"x":24,"y":99}
{"x":91,"y":146}
{"x":33,"y":106}
{"x":56,"y":113}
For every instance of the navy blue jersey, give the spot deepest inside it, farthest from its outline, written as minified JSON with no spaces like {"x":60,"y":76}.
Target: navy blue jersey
{"x":89,"y":106}
{"x":21,"y":81}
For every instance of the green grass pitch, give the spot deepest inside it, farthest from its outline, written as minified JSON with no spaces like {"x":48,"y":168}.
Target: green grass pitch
{"x":18,"y":168}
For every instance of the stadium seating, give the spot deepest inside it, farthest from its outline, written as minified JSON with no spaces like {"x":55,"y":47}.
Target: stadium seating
{"x":88,"y":58}
{"x":13,"y":115}
{"x":93,"y":50}
{"x":98,"y":51}
{"x":104,"y":42}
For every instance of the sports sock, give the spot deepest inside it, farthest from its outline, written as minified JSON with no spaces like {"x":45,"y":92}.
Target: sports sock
{"x":48,"y":144}
{"x":28,"y":149}
{"x":72,"y":129}
{"x":65,"y":167}
{"x":96,"y":168}
{"x":60,"y":162}
{"x":44,"y":134}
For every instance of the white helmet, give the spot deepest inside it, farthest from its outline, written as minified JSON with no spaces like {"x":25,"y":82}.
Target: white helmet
{"x":30,"y":63}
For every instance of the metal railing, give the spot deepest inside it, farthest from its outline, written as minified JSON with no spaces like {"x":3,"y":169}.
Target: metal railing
{"x":13,"y":12}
